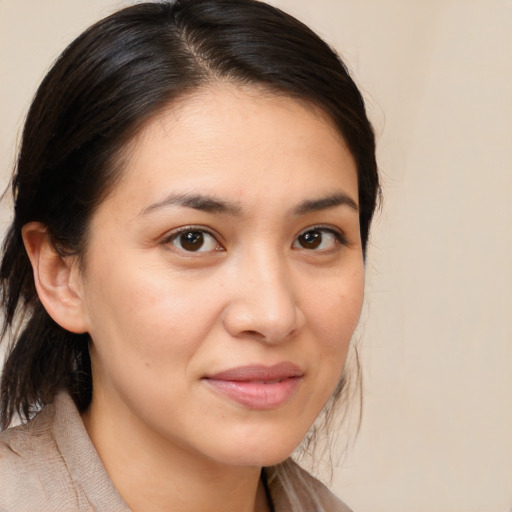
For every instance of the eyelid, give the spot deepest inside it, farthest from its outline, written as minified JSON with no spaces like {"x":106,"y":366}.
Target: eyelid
{"x":339,"y":235}
{"x":174,"y":233}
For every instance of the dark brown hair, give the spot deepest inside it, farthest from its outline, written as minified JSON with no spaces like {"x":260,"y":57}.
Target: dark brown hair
{"x":99,"y":93}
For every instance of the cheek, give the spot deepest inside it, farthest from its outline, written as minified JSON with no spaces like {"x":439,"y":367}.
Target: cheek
{"x":335,"y":309}
{"x":334,"y":314}
{"x":144,"y":319}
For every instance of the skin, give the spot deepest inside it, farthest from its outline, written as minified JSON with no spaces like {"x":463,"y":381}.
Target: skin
{"x":162,"y":317}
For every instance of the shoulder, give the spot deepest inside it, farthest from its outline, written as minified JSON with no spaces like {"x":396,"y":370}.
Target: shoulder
{"x":31,"y":467}
{"x":50,"y":464}
{"x":293,"y":488}
{"x":24,"y":447}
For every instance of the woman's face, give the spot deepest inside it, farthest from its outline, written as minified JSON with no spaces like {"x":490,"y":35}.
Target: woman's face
{"x":223,"y":277}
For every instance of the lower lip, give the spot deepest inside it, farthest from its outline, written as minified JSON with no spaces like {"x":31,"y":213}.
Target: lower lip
{"x":257,"y":395}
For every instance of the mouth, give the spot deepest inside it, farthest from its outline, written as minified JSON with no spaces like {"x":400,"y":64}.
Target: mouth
{"x":257,"y":386}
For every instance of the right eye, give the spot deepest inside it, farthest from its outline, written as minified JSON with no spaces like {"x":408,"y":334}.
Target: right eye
{"x":193,"y":240}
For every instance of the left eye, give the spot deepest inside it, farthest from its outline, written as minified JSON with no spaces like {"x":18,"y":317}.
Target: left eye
{"x":319,"y":239}
{"x":194,"y":240}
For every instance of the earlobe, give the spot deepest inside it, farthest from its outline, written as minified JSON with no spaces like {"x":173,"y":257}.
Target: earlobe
{"x":56,"y":278}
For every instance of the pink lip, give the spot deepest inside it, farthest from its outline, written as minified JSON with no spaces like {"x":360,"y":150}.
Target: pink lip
{"x":258,"y":386}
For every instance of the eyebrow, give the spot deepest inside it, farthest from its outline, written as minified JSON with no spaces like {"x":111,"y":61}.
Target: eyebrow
{"x":324,"y":203}
{"x":211,"y":204}
{"x":197,"y":202}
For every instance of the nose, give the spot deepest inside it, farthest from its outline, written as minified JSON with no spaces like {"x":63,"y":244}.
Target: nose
{"x":264,"y":304}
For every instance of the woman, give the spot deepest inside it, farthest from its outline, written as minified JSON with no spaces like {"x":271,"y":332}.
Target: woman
{"x":184,"y":271}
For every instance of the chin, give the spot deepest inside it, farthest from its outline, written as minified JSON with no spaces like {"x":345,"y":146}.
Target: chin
{"x":260,"y":450}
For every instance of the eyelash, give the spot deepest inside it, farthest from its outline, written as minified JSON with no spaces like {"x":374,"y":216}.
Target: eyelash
{"x":339,"y":238}
{"x":175,"y":235}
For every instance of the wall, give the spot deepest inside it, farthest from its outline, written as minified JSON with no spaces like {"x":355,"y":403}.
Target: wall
{"x":437,"y":329}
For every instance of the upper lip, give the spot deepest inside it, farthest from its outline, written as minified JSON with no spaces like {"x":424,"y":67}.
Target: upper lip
{"x":263,"y":373}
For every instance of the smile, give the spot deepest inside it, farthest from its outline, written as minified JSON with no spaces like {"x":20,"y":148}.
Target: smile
{"x":258,"y":387}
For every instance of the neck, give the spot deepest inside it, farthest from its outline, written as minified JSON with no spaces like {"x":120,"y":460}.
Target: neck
{"x":153,"y":475}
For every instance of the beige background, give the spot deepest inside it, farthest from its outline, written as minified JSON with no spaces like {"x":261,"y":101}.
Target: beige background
{"x":437,"y":333}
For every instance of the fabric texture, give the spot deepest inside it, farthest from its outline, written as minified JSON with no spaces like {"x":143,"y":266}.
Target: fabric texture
{"x":51,"y":465}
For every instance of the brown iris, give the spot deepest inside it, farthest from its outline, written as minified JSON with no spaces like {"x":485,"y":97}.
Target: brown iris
{"x":311,"y":239}
{"x":192,"y":240}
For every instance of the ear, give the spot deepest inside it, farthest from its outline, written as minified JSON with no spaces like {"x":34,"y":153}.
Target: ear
{"x":57,"y":279}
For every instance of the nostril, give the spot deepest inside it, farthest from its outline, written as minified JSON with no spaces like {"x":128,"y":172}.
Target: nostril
{"x":269,"y":337}
{"x":254,"y":334}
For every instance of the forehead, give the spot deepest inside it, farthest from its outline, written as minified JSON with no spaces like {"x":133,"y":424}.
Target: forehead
{"x":237,"y":136}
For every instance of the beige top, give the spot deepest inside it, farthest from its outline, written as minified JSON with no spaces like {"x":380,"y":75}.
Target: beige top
{"x":51,"y":465}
